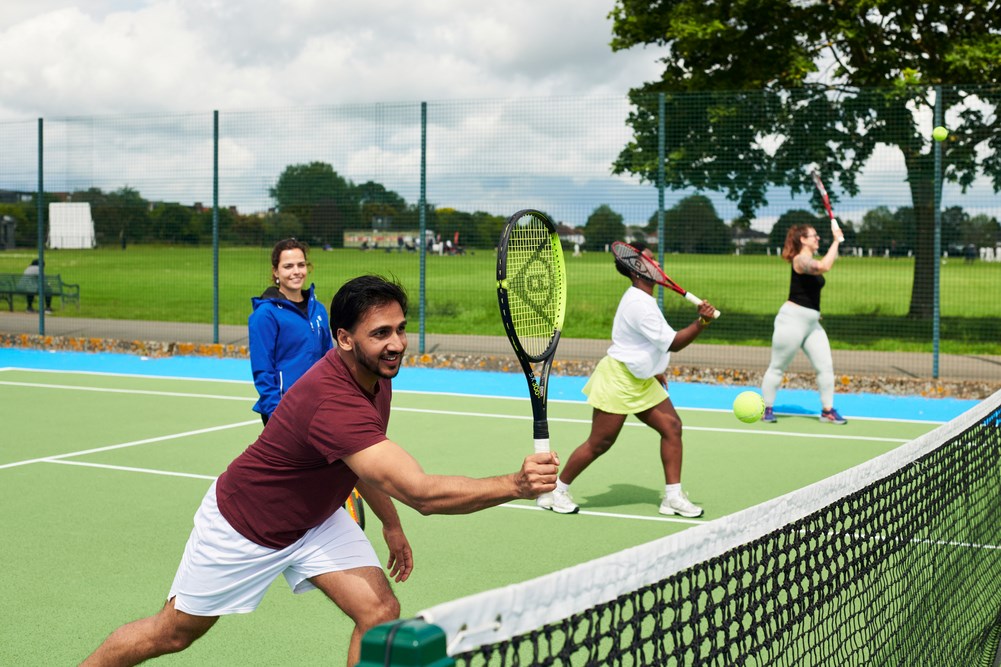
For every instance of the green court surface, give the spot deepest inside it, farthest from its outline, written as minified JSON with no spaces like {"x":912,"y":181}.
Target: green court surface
{"x":100,"y":476}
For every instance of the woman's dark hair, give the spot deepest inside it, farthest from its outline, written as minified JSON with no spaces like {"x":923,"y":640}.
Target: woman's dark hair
{"x":288,"y":244}
{"x":624,"y":270}
{"x":358,"y":295}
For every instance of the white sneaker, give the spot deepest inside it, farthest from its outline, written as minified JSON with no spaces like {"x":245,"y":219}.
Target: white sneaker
{"x":680,"y":505}
{"x":563,"y":503}
{"x":545,"y":501}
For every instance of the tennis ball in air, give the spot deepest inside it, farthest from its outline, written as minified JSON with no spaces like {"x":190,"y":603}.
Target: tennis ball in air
{"x":748,"y":407}
{"x":940,"y":133}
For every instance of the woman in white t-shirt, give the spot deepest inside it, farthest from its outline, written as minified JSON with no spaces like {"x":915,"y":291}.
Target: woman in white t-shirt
{"x":630,"y":380}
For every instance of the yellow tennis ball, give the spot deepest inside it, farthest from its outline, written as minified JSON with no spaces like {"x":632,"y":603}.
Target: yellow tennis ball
{"x":940,"y":133}
{"x":748,"y":407}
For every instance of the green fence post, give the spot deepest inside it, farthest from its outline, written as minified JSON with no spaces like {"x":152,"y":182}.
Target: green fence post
{"x":215,"y":226}
{"x":660,"y":191}
{"x":41,"y":232}
{"x":422,"y":213}
{"x":406,"y":643}
{"x":936,"y":297}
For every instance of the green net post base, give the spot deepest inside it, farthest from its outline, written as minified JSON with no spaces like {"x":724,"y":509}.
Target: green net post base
{"x":408,"y":643}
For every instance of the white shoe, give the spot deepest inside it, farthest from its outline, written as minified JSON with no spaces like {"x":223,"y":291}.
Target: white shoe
{"x":680,"y":505}
{"x":545,"y":501}
{"x":563,"y":503}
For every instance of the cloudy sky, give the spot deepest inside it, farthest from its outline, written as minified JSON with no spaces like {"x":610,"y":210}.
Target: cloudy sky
{"x":118,"y":58}
{"x":61,"y":57}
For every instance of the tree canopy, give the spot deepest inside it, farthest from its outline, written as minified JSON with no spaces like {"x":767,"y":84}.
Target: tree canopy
{"x":603,"y":227}
{"x":758,"y":93}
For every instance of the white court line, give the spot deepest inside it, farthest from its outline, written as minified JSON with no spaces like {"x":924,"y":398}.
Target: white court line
{"x":134,"y":443}
{"x":431,"y":393}
{"x":613,"y":515}
{"x":148,"y":471}
{"x":459,"y":413}
{"x":740,"y":431}
{"x":146,"y":392}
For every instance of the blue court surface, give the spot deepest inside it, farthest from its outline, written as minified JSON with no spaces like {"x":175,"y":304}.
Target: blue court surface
{"x":486,"y":383}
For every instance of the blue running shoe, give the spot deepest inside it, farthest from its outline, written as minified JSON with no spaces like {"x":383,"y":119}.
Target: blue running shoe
{"x":769,"y":416}
{"x":832,"y":417}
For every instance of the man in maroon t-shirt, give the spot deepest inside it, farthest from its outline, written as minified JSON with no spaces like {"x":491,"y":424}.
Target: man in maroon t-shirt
{"x":277,"y":509}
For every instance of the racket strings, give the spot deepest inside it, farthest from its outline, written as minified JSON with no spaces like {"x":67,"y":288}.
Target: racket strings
{"x":534,"y":283}
{"x":637,"y":263}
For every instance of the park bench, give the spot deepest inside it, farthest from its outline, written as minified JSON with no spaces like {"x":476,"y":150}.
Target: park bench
{"x":12,"y":284}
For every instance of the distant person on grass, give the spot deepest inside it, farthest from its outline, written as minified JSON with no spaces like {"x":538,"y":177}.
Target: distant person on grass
{"x":630,"y":380}
{"x":276,"y":510}
{"x":288,"y":329}
{"x":797,"y":324}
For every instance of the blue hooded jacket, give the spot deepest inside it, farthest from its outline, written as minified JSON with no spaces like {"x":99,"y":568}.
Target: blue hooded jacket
{"x":284,"y":343}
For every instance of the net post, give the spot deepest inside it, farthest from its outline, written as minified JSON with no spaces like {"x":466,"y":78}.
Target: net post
{"x":215,"y":226}
{"x":405,"y":643}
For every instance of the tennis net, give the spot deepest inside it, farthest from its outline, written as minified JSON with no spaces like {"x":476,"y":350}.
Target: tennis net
{"x":896,"y":561}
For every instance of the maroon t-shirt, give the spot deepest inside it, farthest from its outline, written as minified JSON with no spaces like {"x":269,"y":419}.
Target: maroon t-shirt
{"x":293,"y":477}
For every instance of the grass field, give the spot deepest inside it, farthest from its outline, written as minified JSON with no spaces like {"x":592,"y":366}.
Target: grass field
{"x":865,"y":303}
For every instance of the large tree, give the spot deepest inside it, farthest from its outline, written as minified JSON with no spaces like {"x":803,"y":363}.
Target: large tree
{"x":603,"y":227}
{"x":325,"y":203}
{"x":757,"y":92}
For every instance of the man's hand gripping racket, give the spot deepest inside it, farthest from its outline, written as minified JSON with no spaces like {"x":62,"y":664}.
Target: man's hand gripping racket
{"x":835,"y":227}
{"x":637,"y":262}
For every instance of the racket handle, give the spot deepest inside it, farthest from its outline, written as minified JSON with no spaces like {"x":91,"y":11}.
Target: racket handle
{"x":836,"y":230}
{"x":541,"y":445}
{"x":698,"y":302}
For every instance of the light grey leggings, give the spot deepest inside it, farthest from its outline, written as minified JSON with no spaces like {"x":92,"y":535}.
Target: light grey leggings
{"x":798,"y":327}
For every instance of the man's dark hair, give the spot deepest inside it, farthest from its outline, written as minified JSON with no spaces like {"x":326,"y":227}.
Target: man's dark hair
{"x":358,"y":295}
{"x":624,"y":270}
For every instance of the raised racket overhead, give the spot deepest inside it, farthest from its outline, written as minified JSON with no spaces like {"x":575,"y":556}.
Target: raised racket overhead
{"x":532,"y":293}
{"x":824,"y":197}
{"x":635,"y":261}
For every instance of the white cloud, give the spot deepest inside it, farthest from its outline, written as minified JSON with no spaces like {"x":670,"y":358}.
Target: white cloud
{"x":106,"y":57}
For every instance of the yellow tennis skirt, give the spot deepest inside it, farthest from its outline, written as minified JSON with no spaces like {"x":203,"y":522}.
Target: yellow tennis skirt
{"x":612,"y":388}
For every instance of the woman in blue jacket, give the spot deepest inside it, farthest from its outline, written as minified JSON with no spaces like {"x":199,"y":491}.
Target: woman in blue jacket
{"x":289,"y":328}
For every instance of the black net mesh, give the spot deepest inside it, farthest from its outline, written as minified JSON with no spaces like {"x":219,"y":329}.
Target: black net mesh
{"x":905,"y":571}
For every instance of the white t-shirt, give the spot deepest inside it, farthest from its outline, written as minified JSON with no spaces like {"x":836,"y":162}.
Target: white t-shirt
{"x":641,"y":337}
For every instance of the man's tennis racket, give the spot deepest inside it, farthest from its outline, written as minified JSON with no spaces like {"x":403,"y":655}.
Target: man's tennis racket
{"x":532,"y":292}
{"x":635,"y":261}
{"x":835,"y":227}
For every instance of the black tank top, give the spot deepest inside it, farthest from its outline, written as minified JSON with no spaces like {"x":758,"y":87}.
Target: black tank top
{"x":804,"y":290}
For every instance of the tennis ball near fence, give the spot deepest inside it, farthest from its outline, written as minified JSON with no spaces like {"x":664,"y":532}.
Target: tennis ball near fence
{"x":940,"y":133}
{"x":748,"y":407}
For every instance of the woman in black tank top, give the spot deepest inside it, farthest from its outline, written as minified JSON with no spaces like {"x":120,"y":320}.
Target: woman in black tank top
{"x":797,"y":325}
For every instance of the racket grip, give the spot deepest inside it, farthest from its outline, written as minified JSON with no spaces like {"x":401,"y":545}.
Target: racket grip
{"x":541,"y":445}
{"x":836,"y":230}
{"x":698,"y":302}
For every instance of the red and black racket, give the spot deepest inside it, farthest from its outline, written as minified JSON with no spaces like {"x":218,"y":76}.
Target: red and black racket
{"x":635,"y":261}
{"x":835,"y":227}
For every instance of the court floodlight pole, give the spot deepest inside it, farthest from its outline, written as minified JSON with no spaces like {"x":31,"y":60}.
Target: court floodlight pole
{"x":660,"y":192}
{"x":215,"y":226}
{"x":41,"y":231}
{"x":937,"y":253}
{"x":421,"y":208}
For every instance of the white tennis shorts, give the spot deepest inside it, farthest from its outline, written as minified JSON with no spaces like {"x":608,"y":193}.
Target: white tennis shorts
{"x":223,"y":572}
